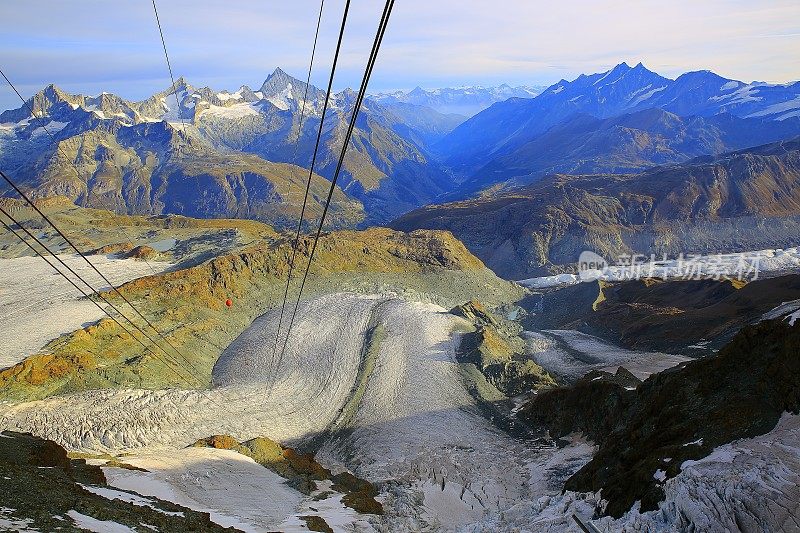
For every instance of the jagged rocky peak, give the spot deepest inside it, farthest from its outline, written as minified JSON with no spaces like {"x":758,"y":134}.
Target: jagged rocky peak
{"x":638,"y":75}
{"x":50,"y":96}
{"x":347,"y":97}
{"x":278,"y":82}
{"x":247,"y":94}
{"x":286,"y":92}
{"x":180,"y":85}
{"x":620,"y":68}
{"x":41,"y":103}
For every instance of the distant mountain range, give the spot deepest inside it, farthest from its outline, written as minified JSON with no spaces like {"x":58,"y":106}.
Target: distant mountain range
{"x":220,"y":153}
{"x":464,"y":101}
{"x":233,"y":154}
{"x":504,"y":128}
{"x":744,"y":200}
{"x":628,"y":143}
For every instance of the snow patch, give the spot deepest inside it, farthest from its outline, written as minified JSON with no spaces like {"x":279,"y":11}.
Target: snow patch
{"x":283,"y":99}
{"x":584,"y":353}
{"x":111,"y":494}
{"x":225,"y":96}
{"x":49,"y":128}
{"x":10,"y":523}
{"x":235,"y":490}
{"x":646,"y":96}
{"x":789,"y":105}
{"x":232,"y":112}
{"x":746,"y":93}
{"x":97,"y":526}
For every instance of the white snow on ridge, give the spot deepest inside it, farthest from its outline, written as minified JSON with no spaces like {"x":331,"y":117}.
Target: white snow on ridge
{"x":646,"y":96}
{"x":225,"y":96}
{"x":778,"y":108}
{"x":170,"y":113}
{"x":746,"y":93}
{"x":283,"y":99}
{"x":786,"y":309}
{"x":232,"y":112}
{"x":49,"y":128}
{"x":729,"y":86}
{"x":97,"y":526}
{"x":135,"y":499}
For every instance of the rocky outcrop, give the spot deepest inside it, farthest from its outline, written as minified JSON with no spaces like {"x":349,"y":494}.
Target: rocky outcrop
{"x":498,"y":351}
{"x":41,"y":485}
{"x":690,"y":317}
{"x":302,"y":470}
{"x":645,"y":435}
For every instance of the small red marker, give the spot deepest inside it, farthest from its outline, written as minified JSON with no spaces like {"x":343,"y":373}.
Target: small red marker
{"x":229,"y":302}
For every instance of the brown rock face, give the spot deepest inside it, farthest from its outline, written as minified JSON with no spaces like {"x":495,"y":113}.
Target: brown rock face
{"x":672,"y":316}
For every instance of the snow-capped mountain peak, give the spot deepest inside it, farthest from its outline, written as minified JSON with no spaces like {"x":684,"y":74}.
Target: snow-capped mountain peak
{"x":465,"y":100}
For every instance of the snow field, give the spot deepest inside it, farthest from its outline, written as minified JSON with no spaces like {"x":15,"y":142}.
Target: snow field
{"x":37,"y":305}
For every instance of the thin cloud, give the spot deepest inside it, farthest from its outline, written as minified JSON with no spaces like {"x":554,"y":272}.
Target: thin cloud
{"x":87,"y":47}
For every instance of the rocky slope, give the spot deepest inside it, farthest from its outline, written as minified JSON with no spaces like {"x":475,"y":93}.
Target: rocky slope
{"x":45,"y":490}
{"x":691,"y":316}
{"x":105,"y":161}
{"x":645,"y":434}
{"x":745,"y":200}
{"x":496,"y":349}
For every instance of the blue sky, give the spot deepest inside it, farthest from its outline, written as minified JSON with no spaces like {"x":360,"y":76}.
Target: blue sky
{"x":89,"y":45}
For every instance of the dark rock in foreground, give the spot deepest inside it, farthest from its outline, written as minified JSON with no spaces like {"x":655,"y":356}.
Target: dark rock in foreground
{"x":41,"y":487}
{"x":682,"y":413}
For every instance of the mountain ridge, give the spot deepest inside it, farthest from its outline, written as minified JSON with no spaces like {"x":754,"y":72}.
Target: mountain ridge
{"x":387,"y":167}
{"x":465,"y":101}
{"x":738,"y":201}
{"x":507,"y":125}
